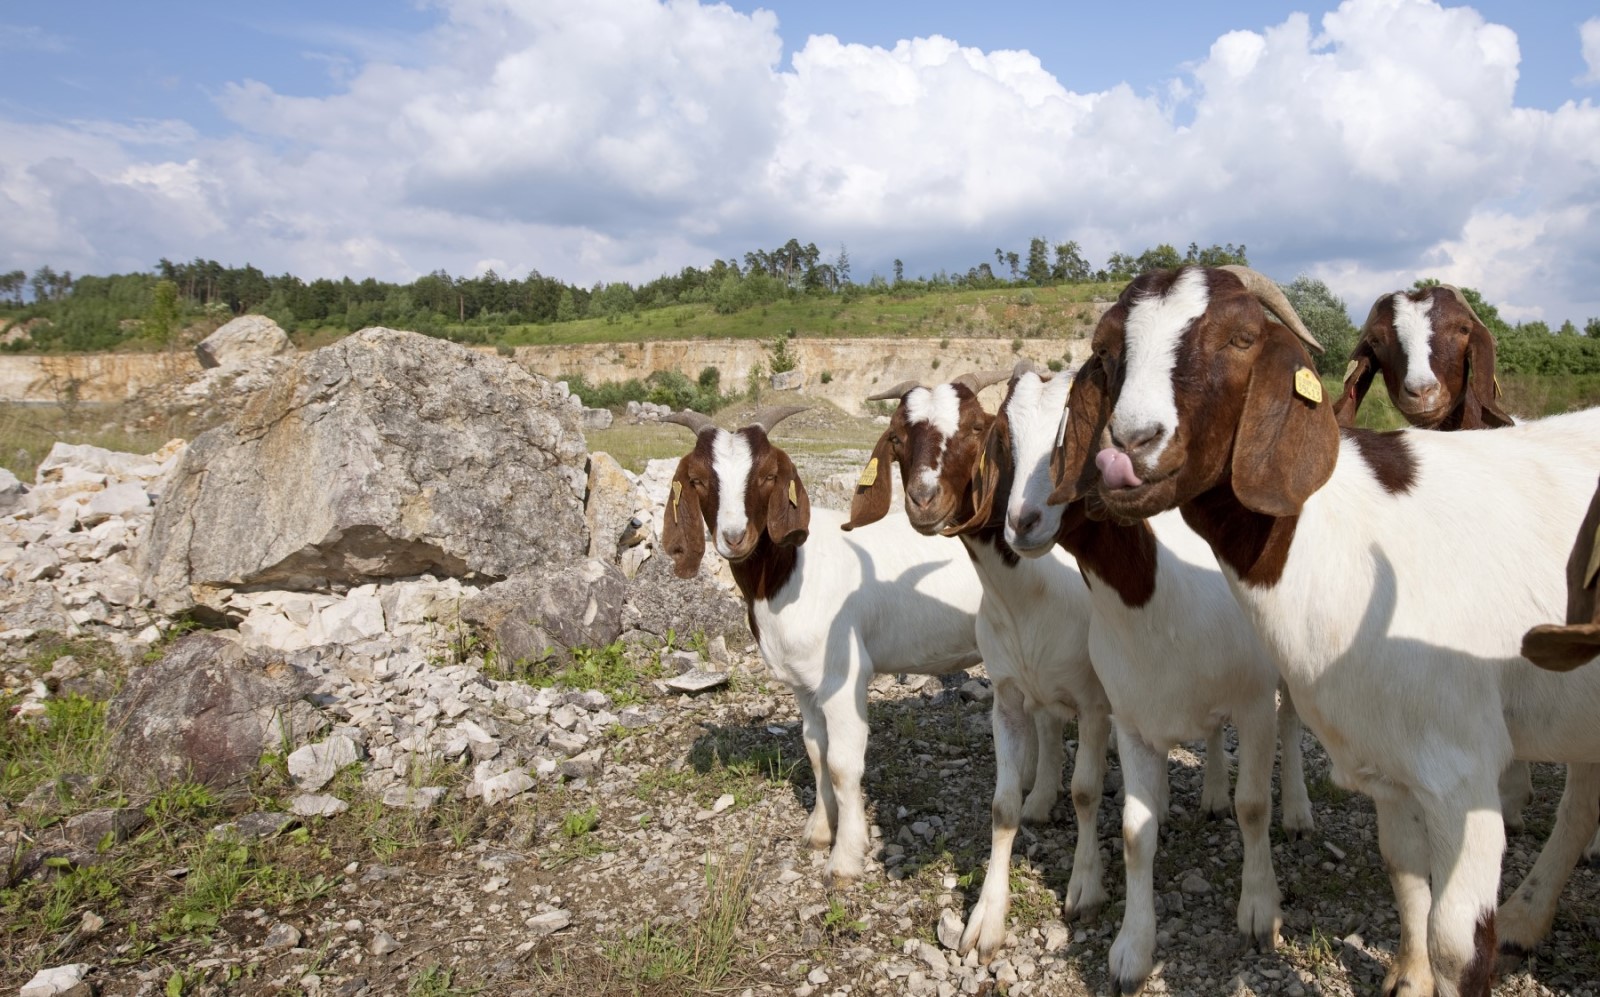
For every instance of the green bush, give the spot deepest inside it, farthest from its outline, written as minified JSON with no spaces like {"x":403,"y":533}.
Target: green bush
{"x":662,"y":387}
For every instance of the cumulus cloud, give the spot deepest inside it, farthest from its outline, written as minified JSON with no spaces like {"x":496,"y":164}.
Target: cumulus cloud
{"x":1589,"y":38}
{"x":621,"y":139}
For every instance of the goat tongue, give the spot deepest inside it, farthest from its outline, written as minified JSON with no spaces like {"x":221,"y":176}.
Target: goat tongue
{"x":1116,"y":469}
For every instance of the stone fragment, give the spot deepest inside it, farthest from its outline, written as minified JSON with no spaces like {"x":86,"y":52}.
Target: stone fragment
{"x":56,"y":980}
{"x":382,"y":943}
{"x":582,"y":766}
{"x":88,"y":830}
{"x":548,"y":923}
{"x":281,"y":937}
{"x":313,"y":766}
{"x":255,"y":826}
{"x":317,"y":805}
{"x":413,"y":797}
{"x":949,"y":930}
{"x":550,"y":609}
{"x":497,"y":789}
{"x":697,"y":680}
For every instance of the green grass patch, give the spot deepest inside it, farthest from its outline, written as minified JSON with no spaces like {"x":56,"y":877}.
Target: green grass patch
{"x":697,"y":957}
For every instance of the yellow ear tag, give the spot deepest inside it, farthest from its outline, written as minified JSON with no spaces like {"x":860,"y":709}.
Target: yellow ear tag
{"x":677,"y":493}
{"x":1594,"y":562}
{"x":1308,"y":386}
{"x":1350,"y":368}
{"x":794,"y":495}
{"x":1496,"y":384}
{"x":869,"y":474}
{"x":979,"y":471}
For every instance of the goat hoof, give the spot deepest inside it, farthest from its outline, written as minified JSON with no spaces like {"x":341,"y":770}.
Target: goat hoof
{"x":1407,"y":986}
{"x":1130,"y":986}
{"x":1511,"y":958}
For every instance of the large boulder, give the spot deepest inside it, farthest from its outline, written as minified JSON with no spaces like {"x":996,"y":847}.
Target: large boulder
{"x":207,"y":712}
{"x":246,"y":338}
{"x":386,"y":455}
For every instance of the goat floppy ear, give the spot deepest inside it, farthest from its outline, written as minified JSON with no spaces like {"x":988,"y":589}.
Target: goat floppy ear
{"x":1287,"y":441}
{"x":874,"y":489}
{"x":1358,"y":377}
{"x":1088,"y":407}
{"x":788,"y":508}
{"x":1480,"y":402}
{"x":682,"y":531}
{"x":1563,"y":648}
{"x":992,"y":467}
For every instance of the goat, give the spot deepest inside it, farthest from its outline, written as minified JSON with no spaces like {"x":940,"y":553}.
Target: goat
{"x":1563,"y":648}
{"x":1437,"y":360}
{"x":1176,"y":656}
{"x":1438,"y":364}
{"x":1033,"y":630}
{"x":828,"y":609}
{"x":1390,"y":575}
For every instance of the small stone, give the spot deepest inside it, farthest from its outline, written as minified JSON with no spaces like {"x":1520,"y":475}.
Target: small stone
{"x":1194,"y":883}
{"x":549,"y":922}
{"x":1334,"y":850}
{"x":1056,"y":936}
{"x":317,"y":805}
{"x":255,"y":826}
{"x":723,"y":802}
{"x":949,"y":931}
{"x":281,"y":938}
{"x":413,"y":797}
{"x":56,"y":980}
{"x":506,"y":785}
{"x":584,"y":766}
{"x":788,"y":876}
{"x":697,"y":680}
{"x":817,"y":976}
{"x":91,"y":923}
{"x":382,"y":943}
{"x":976,"y":691}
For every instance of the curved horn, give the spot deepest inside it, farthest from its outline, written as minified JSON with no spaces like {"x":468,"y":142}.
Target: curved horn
{"x":895,"y":393}
{"x":695,"y":422}
{"x":1272,"y":298}
{"x":978,"y":380}
{"x":768,"y":417}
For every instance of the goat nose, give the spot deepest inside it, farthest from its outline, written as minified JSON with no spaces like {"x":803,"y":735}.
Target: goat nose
{"x":1025,"y":521}
{"x":1129,"y":439}
{"x":920,"y":494}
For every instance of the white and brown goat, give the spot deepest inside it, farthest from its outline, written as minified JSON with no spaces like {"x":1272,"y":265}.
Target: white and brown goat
{"x":1033,"y":630}
{"x":1176,"y":656}
{"x":829,"y":609}
{"x":1390,"y":575}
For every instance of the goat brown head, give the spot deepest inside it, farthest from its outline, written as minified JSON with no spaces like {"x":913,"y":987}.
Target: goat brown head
{"x":934,"y":438}
{"x":1563,"y":648}
{"x":1191,"y":386}
{"x":740,"y":486}
{"x":1437,"y":359}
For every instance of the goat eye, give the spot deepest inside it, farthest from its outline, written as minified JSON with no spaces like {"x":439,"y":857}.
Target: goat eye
{"x":1242,"y":341}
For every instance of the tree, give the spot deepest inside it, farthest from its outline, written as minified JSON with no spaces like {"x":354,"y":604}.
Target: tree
{"x":899,"y":272}
{"x":1015,"y":263}
{"x":1567,"y":329}
{"x":566,"y":308}
{"x":1591,"y":328}
{"x":1038,"y":269}
{"x":163,"y":313}
{"x":1070,"y":266}
{"x":1217,"y":256}
{"x":841,"y":266}
{"x":1162,"y":257}
{"x":1326,"y":317}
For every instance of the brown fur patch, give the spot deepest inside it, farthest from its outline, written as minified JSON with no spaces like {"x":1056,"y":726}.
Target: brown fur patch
{"x":1478,"y":977}
{"x":1254,"y":545}
{"x":1123,"y":557}
{"x":1389,"y":456}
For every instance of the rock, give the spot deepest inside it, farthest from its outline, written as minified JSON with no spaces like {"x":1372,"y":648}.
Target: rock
{"x":976,"y":691}
{"x":498,"y":789}
{"x":88,"y":830}
{"x":658,"y":601}
{"x":596,"y":418}
{"x":385,"y":455}
{"x":582,"y":766}
{"x":122,"y":501}
{"x":281,"y":938}
{"x":789,"y":380}
{"x":314,"y":765}
{"x":91,"y":923}
{"x":696,"y":680}
{"x":255,"y":826}
{"x":549,"y":922}
{"x":722,"y":803}
{"x":319,"y":805}
{"x":553,"y":609}
{"x":1056,"y":936}
{"x":1194,"y":883}
{"x":413,"y":798}
{"x":382,"y":943}
{"x":56,"y":980}
{"x":207,"y":711}
{"x":11,"y":492}
{"x":949,"y":930}
{"x":609,"y":506}
{"x":241,"y":340}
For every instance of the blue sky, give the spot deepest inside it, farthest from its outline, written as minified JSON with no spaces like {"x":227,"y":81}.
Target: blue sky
{"x":1367,"y":143}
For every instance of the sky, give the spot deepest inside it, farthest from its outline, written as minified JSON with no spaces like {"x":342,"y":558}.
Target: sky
{"x":1367,"y":143}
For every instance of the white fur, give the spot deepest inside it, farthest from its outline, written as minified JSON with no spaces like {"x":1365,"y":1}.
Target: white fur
{"x":1154,"y":328}
{"x":939,"y":406}
{"x":1174,"y":670}
{"x":882,"y":598}
{"x":731,"y":462}
{"x":1414,"y":329}
{"x":1033,"y":628}
{"x":1396,"y":624}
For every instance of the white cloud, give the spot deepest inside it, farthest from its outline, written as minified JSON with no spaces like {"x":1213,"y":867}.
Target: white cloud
{"x":1589,"y":38}
{"x":620,"y":139}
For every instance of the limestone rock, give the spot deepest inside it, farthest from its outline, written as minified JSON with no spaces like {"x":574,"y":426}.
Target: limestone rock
{"x":385,"y":455}
{"x":789,"y":380}
{"x":610,"y":505}
{"x":552,"y":609}
{"x":206,"y":711}
{"x":245,"y":338}
{"x":659,"y":601}
{"x":597,"y":418}
{"x":11,"y":492}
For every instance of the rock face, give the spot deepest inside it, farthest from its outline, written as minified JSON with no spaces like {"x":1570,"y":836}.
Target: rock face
{"x":207,"y":712}
{"x":388,"y":454}
{"x":242,"y":340}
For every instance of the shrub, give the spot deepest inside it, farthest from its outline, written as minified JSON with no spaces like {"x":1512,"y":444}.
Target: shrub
{"x":826,"y":377}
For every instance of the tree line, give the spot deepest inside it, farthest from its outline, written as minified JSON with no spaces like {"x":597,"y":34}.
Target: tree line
{"x":92,"y":312}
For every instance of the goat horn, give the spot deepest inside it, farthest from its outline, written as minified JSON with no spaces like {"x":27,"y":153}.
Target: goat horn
{"x":1272,"y":298}
{"x":1464,"y":302}
{"x":695,"y":422}
{"x":895,"y":393}
{"x":769,"y":417}
{"x":978,"y":380}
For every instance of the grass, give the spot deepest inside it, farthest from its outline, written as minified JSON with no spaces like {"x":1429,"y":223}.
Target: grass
{"x":27,"y":432}
{"x":699,"y":956}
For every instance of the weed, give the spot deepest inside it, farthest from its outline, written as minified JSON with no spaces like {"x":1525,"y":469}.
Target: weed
{"x":836,"y":920}
{"x":68,"y":739}
{"x":580,"y":822}
{"x":436,"y":981}
{"x":699,"y":956}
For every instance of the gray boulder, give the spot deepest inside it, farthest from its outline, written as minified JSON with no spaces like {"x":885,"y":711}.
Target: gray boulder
{"x":244,"y":339}
{"x":207,"y":711}
{"x":659,"y":601}
{"x":550,"y":610}
{"x":388,"y":454}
